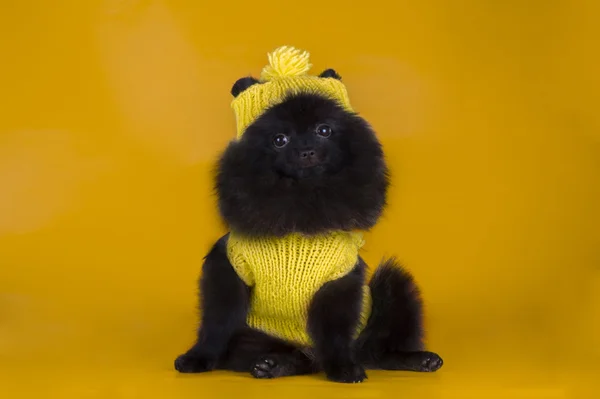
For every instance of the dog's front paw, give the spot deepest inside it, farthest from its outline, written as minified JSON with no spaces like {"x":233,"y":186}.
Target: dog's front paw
{"x":266,"y":367}
{"x":428,"y":362}
{"x":346,"y":372}
{"x":192,"y":363}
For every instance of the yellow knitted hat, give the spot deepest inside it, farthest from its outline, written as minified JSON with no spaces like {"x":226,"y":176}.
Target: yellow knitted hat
{"x":285,"y":74}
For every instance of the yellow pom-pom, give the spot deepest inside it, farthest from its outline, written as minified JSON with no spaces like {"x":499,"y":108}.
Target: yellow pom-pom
{"x":286,"y":61}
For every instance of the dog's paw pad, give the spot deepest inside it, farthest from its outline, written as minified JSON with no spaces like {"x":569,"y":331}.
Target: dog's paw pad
{"x":265,"y":367}
{"x":431,"y":362}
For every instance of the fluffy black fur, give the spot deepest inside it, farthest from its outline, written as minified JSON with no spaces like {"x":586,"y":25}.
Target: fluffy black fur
{"x":393,"y":337}
{"x":265,"y":190}
{"x":309,"y":166}
{"x":224,"y":302}
{"x":333,"y":317}
{"x":224,"y":341}
{"x":265,"y":356}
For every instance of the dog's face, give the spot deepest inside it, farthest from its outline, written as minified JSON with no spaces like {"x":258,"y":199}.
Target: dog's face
{"x":306,"y":137}
{"x":306,"y":165}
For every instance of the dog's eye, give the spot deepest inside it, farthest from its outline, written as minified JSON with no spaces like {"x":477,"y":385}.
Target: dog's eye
{"x":324,"y":130}
{"x":280,"y":140}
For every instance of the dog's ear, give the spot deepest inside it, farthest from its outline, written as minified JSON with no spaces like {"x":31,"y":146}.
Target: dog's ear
{"x":330,"y":73}
{"x":242,"y":84}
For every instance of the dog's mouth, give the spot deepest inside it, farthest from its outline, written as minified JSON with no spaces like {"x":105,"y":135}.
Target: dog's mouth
{"x":311,"y":171}
{"x":304,"y":172}
{"x":307,"y":163}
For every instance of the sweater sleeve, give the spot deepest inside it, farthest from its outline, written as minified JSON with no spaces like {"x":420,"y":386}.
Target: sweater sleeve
{"x":237,"y":259}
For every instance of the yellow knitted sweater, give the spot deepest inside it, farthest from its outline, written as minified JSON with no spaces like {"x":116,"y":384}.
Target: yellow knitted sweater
{"x":285,"y":274}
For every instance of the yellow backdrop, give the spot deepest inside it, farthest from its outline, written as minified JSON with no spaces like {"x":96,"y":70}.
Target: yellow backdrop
{"x":112,"y":112}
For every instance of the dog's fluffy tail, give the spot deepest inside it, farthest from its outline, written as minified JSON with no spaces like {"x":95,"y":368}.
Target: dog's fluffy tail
{"x":396,"y":321}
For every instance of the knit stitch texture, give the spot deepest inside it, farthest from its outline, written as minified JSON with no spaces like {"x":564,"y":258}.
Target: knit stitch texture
{"x":286,"y":74}
{"x":285,"y":273}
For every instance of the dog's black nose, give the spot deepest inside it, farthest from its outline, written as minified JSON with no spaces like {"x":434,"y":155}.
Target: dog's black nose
{"x":308,"y":158}
{"x":307,"y":154}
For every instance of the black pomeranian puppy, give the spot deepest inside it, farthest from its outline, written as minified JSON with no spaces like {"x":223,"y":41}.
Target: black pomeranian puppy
{"x":306,"y":167}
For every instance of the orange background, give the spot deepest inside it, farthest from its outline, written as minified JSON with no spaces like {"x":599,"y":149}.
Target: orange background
{"x":112,"y":113}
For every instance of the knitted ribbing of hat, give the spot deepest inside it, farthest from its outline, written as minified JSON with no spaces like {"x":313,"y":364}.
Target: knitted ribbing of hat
{"x":286,"y":74}
{"x":286,"y":272}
